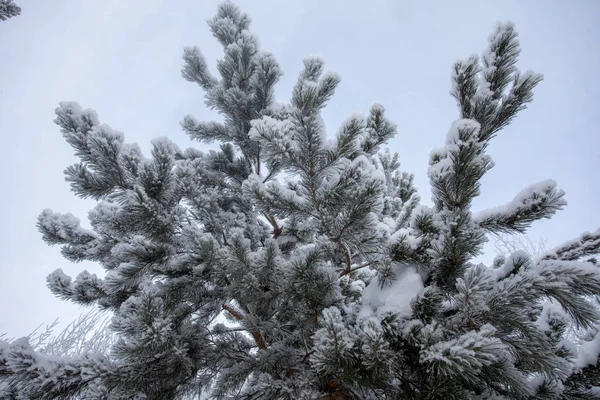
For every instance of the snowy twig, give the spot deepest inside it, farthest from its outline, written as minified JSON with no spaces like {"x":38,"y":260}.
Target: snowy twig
{"x":351,"y":270}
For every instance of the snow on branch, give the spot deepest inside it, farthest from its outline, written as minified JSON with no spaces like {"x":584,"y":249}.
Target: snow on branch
{"x":313,"y":88}
{"x":379,"y":129}
{"x":569,"y":282}
{"x":229,"y":23}
{"x":464,"y":357}
{"x":76,"y":123}
{"x":38,"y":376}
{"x":86,"y":289}
{"x":349,"y":135}
{"x":106,"y":162}
{"x":538,"y":201}
{"x":195,"y":68}
{"x":516,"y":100}
{"x":456,"y":169}
{"x":490,"y":89}
{"x":500,"y":58}
{"x":267,"y":75}
{"x":587,"y":244}
{"x":464,"y":84}
{"x":205,"y":132}
{"x":59,"y":228}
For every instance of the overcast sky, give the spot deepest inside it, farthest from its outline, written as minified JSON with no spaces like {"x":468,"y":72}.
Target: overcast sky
{"x":123,"y":59}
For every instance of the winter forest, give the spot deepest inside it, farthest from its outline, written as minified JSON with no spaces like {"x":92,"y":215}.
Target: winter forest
{"x":297,"y":260}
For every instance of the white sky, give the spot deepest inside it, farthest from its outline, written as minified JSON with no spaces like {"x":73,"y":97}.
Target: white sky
{"x":122,"y":58}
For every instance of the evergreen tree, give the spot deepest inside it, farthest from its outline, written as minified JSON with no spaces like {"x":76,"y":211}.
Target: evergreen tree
{"x":291,"y":265}
{"x":8,"y":9}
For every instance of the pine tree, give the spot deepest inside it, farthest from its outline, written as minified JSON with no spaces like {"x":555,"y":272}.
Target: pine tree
{"x":293,"y":265}
{"x":8,"y":9}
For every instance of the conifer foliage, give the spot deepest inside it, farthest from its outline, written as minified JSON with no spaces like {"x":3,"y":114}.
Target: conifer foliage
{"x":291,"y":264}
{"x":8,"y":9}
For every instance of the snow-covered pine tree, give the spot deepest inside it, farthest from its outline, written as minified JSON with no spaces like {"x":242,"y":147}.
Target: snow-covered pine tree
{"x":334,"y":282}
{"x":8,"y":9}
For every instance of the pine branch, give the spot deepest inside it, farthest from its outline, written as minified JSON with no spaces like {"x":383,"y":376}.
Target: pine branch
{"x":456,"y":169}
{"x":588,"y":244}
{"x":206,"y":132}
{"x":348,"y":257}
{"x":195,"y":68}
{"x":351,"y":270}
{"x":40,"y":377}
{"x":8,"y":9}
{"x":536,"y":202}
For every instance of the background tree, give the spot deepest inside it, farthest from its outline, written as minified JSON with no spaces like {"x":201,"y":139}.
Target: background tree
{"x":334,"y":281}
{"x":507,"y":244}
{"x":8,"y":9}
